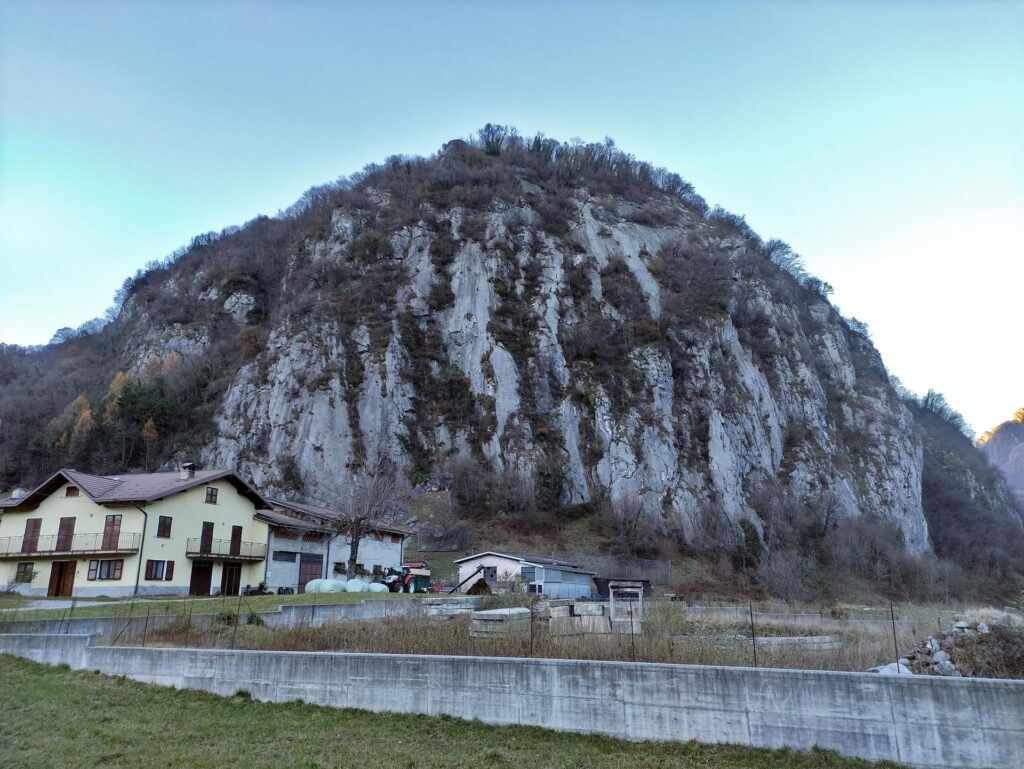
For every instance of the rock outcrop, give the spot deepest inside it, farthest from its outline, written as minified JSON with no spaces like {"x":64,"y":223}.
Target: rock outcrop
{"x":1004,"y":447}
{"x":554,"y":313}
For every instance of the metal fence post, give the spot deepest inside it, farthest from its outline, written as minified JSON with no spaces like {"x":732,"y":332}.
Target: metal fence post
{"x":895,"y":643}
{"x":753,"y":632}
{"x":632,"y":636}
{"x":70,"y":615}
{"x":238,"y":618}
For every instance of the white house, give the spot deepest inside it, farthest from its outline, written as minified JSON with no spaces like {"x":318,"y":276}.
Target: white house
{"x":545,"y":576}
{"x":308,"y":542}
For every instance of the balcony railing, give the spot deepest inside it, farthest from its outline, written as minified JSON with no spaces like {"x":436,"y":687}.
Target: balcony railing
{"x":225,"y":549}
{"x":77,"y":544}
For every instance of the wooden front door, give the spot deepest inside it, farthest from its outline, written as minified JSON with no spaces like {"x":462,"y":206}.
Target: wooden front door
{"x":65,"y":534}
{"x":111,"y":532}
{"x":311,"y":567}
{"x":236,"y":540}
{"x":202,"y":577}
{"x":230,"y":578}
{"x":62,"y":578}
{"x":206,"y":539}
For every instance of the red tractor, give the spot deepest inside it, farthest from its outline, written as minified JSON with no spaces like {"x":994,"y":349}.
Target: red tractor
{"x":413,"y":577}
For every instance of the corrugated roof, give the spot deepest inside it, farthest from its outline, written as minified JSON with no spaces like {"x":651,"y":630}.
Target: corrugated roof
{"x":536,"y":560}
{"x":330,"y":518}
{"x":276,"y":518}
{"x":567,"y":569}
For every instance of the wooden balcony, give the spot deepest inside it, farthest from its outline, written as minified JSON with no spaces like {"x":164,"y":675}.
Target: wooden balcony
{"x":56,"y":545}
{"x":224,"y":550}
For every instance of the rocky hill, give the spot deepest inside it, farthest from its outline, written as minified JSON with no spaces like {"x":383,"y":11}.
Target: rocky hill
{"x":562,"y":325}
{"x":1004,"y":447}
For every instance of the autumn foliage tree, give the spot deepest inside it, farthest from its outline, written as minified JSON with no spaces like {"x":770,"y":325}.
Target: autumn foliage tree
{"x":149,"y":437}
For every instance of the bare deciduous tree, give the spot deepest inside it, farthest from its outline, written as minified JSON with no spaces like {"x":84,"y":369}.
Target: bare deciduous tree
{"x":373,"y":499}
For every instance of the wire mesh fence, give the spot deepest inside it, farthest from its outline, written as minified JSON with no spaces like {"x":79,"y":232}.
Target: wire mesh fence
{"x":664,"y":631}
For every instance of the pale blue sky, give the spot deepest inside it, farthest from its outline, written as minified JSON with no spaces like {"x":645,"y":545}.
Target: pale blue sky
{"x":884,"y":141}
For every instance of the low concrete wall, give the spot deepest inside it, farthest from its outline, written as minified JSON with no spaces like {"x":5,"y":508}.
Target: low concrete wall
{"x":288,"y":615}
{"x":921,"y":721}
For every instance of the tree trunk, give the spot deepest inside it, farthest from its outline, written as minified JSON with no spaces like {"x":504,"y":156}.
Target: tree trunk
{"x":353,"y":554}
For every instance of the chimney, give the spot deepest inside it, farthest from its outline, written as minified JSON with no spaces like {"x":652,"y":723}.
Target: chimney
{"x":188,"y":470}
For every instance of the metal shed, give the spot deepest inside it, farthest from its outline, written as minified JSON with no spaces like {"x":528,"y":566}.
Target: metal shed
{"x":558,"y":581}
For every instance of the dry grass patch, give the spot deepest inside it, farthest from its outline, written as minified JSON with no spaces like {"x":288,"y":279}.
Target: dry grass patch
{"x":666,"y":636}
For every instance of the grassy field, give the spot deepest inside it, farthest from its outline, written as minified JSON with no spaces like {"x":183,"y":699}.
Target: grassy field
{"x":139,"y":607}
{"x":57,"y":717}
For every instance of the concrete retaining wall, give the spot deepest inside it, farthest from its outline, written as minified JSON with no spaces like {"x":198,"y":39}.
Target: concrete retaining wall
{"x":921,"y":721}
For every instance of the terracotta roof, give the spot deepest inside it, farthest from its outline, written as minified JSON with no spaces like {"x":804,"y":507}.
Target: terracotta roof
{"x":133,"y":487}
{"x":329,"y":518}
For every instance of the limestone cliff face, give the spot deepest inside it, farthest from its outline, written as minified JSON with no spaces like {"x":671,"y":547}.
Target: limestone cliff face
{"x":571,"y":362}
{"x":560,"y":314}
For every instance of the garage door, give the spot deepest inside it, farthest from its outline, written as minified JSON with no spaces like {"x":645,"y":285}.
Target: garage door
{"x":310,"y":567}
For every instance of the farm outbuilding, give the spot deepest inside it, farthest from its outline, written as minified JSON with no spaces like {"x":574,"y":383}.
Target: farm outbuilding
{"x":558,"y":581}
{"x":545,"y":576}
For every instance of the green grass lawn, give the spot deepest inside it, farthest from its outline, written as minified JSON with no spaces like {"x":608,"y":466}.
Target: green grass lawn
{"x":442,"y":564}
{"x":139,"y":607}
{"x":12,"y":600}
{"x":57,"y":717}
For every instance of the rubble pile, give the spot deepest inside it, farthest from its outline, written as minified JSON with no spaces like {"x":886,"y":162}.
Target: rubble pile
{"x":935,"y":656}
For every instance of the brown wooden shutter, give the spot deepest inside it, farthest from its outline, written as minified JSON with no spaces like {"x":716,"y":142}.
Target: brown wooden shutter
{"x":169,"y":571}
{"x":31,"y":541}
{"x":206,"y":540}
{"x":93,"y":567}
{"x":118,"y":565}
{"x":236,"y":540}
{"x":65,"y":534}
{"x":111,"y":532}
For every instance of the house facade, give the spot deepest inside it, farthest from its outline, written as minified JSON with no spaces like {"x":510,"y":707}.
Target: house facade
{"x":545,"y":576}
{"x":308,"y":542}
{"x":174,"y":533}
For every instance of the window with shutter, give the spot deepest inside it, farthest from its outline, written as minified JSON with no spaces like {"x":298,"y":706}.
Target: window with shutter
{"x":106,"y":569}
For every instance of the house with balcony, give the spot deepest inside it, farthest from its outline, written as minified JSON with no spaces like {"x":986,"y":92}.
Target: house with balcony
{"x":185,"y":532}
{"x":309,"y":542}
